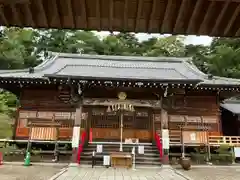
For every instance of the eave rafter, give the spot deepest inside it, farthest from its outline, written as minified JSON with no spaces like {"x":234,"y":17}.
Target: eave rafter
{"x":111,"y":15}
{"x":167,"y":14}
{"x":84,"y":13}
{"x":180,"y":16}
{"x":3,"y":17}
{"x":203,"y":27}
{"x":151,"y":17}
{"x":128,"y":84}
{"x":70,"y":14}
{"x":125,"y":15}
{"x":238,"y":32}
{"x":219,"y":19}
{"x":195,"y":14}
{"x":139,"y":10}
{"x":232,"y":20}
{"x":42,"y":16}
{"x":29,"y":17}
{"x":16,"y":17}
{"x":55,"y":20}
{"x":98,"y":13}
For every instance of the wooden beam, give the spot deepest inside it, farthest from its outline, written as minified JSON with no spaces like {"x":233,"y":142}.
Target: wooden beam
{"x":125,"y":15}
{"x":84,"y":13}
{"x":3,"y":17}
{"x":194,"y":16}
{"x":165,"y":23}
{"x":70,"y":13}
{"x":109,"y":102}
{"x":15,"y":14}
{"x":180,"y":16}
{"x":139,"y":10}
{"x":98,"y":13}
{"x":203,"y":27}
{"x":55,"y":20}
{"x":151,"y":15}
{"x":238,"y":33}
{"x":233,"y":18}
{"x":111,"y":15}
{"x":28,"y":15}
{"x":219,"y":19}
{"x":42,"y":17}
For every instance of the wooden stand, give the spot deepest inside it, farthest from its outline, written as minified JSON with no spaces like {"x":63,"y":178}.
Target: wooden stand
{"x":121,"y":159}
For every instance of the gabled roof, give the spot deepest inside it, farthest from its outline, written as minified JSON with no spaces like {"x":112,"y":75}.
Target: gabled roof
{"x":232,"y":104}
{"x":118,"y":67}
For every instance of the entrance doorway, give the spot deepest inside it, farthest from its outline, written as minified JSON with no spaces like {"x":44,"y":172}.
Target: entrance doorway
{"x":230,"y":123}
{"x":106,"y":126}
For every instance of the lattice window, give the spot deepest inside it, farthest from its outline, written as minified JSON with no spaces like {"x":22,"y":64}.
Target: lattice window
{"x":128,"y":121}
{"x":142,"y":120}
{"x":176,"y":121}
{"x":98,"y":112}
{"x":63,"y":115}
{"x":98,"y":118}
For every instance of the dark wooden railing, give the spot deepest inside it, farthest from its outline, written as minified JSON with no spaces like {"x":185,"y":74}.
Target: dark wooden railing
{"x":81,"y":145}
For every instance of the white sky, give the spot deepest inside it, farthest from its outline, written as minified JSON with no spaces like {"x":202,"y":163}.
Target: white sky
{"x":204,"y":40}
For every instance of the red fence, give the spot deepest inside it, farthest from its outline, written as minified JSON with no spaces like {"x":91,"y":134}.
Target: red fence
{"x":80,"y":148}
{"x":159,"y":145}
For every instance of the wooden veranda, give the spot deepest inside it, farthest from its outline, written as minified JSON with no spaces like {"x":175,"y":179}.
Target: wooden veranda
{"x":197,"y":17}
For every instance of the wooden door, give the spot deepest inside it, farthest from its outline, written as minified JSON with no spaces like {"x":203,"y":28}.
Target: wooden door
{"x":105,"y":126}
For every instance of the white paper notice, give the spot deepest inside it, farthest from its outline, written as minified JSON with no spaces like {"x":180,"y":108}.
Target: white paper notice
{"x":237,"y":151}
{"x":75,"y":137}
{"x":140,"y":149}
{"x":106,"y":160}
{"x":99,"y":148}
{"x":193,"y":136}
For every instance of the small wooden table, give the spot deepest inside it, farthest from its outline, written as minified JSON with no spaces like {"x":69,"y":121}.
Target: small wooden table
{"x":121,"y":159}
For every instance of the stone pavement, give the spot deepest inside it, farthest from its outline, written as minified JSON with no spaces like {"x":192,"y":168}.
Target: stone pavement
{"x":213,"y":173}
{"x":19,"y":172}
{"x":98,"y":173}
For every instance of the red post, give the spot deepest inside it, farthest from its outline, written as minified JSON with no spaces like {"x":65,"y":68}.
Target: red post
{"x":90,"y":135}
{"x":1,"y":158}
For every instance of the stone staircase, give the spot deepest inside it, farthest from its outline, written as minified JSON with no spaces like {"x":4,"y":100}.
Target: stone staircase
{"x":149,"y":158}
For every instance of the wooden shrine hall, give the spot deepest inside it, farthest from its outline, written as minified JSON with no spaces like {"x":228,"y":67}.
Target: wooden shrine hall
{"x":186,"y":17}
{"x":117,"y":98}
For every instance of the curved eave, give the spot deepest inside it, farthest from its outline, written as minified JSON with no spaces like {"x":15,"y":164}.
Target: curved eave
{"x":170,"y":81}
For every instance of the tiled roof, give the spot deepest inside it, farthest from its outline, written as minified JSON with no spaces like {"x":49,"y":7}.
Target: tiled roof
{"x":119,"y":67}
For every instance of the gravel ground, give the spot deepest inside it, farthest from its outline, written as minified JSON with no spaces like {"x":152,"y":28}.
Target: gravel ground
{"x":213,"y":173}
{"x":15,"y":172}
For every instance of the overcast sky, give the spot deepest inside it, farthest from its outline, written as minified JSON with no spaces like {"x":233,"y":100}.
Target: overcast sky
{"x":204,"y":40}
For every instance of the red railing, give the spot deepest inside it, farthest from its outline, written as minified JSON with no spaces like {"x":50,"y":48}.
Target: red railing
{"x":159,"y":145}
{"x":81,"y":144}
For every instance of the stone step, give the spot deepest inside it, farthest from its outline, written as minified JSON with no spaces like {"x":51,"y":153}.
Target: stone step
{"x":152,"y":154}
{"x":124,"y":145}
{"x":100,"y":163}
{"x":149,"y":158}
{"x":125,"y":149}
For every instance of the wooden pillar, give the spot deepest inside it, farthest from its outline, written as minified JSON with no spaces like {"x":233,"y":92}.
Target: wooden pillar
{"x":76,"y":132}
{"x":165,"y":136}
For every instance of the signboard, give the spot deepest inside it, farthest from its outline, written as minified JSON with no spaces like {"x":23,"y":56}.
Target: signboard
{"x":140,"y":149}
{"x":237,"y":152}
{"x":99,"y":148}
{"x":193,"y":136}
{"x":106,"y":160}
{"x":165,"y":139}
{"x":75,"y":137}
